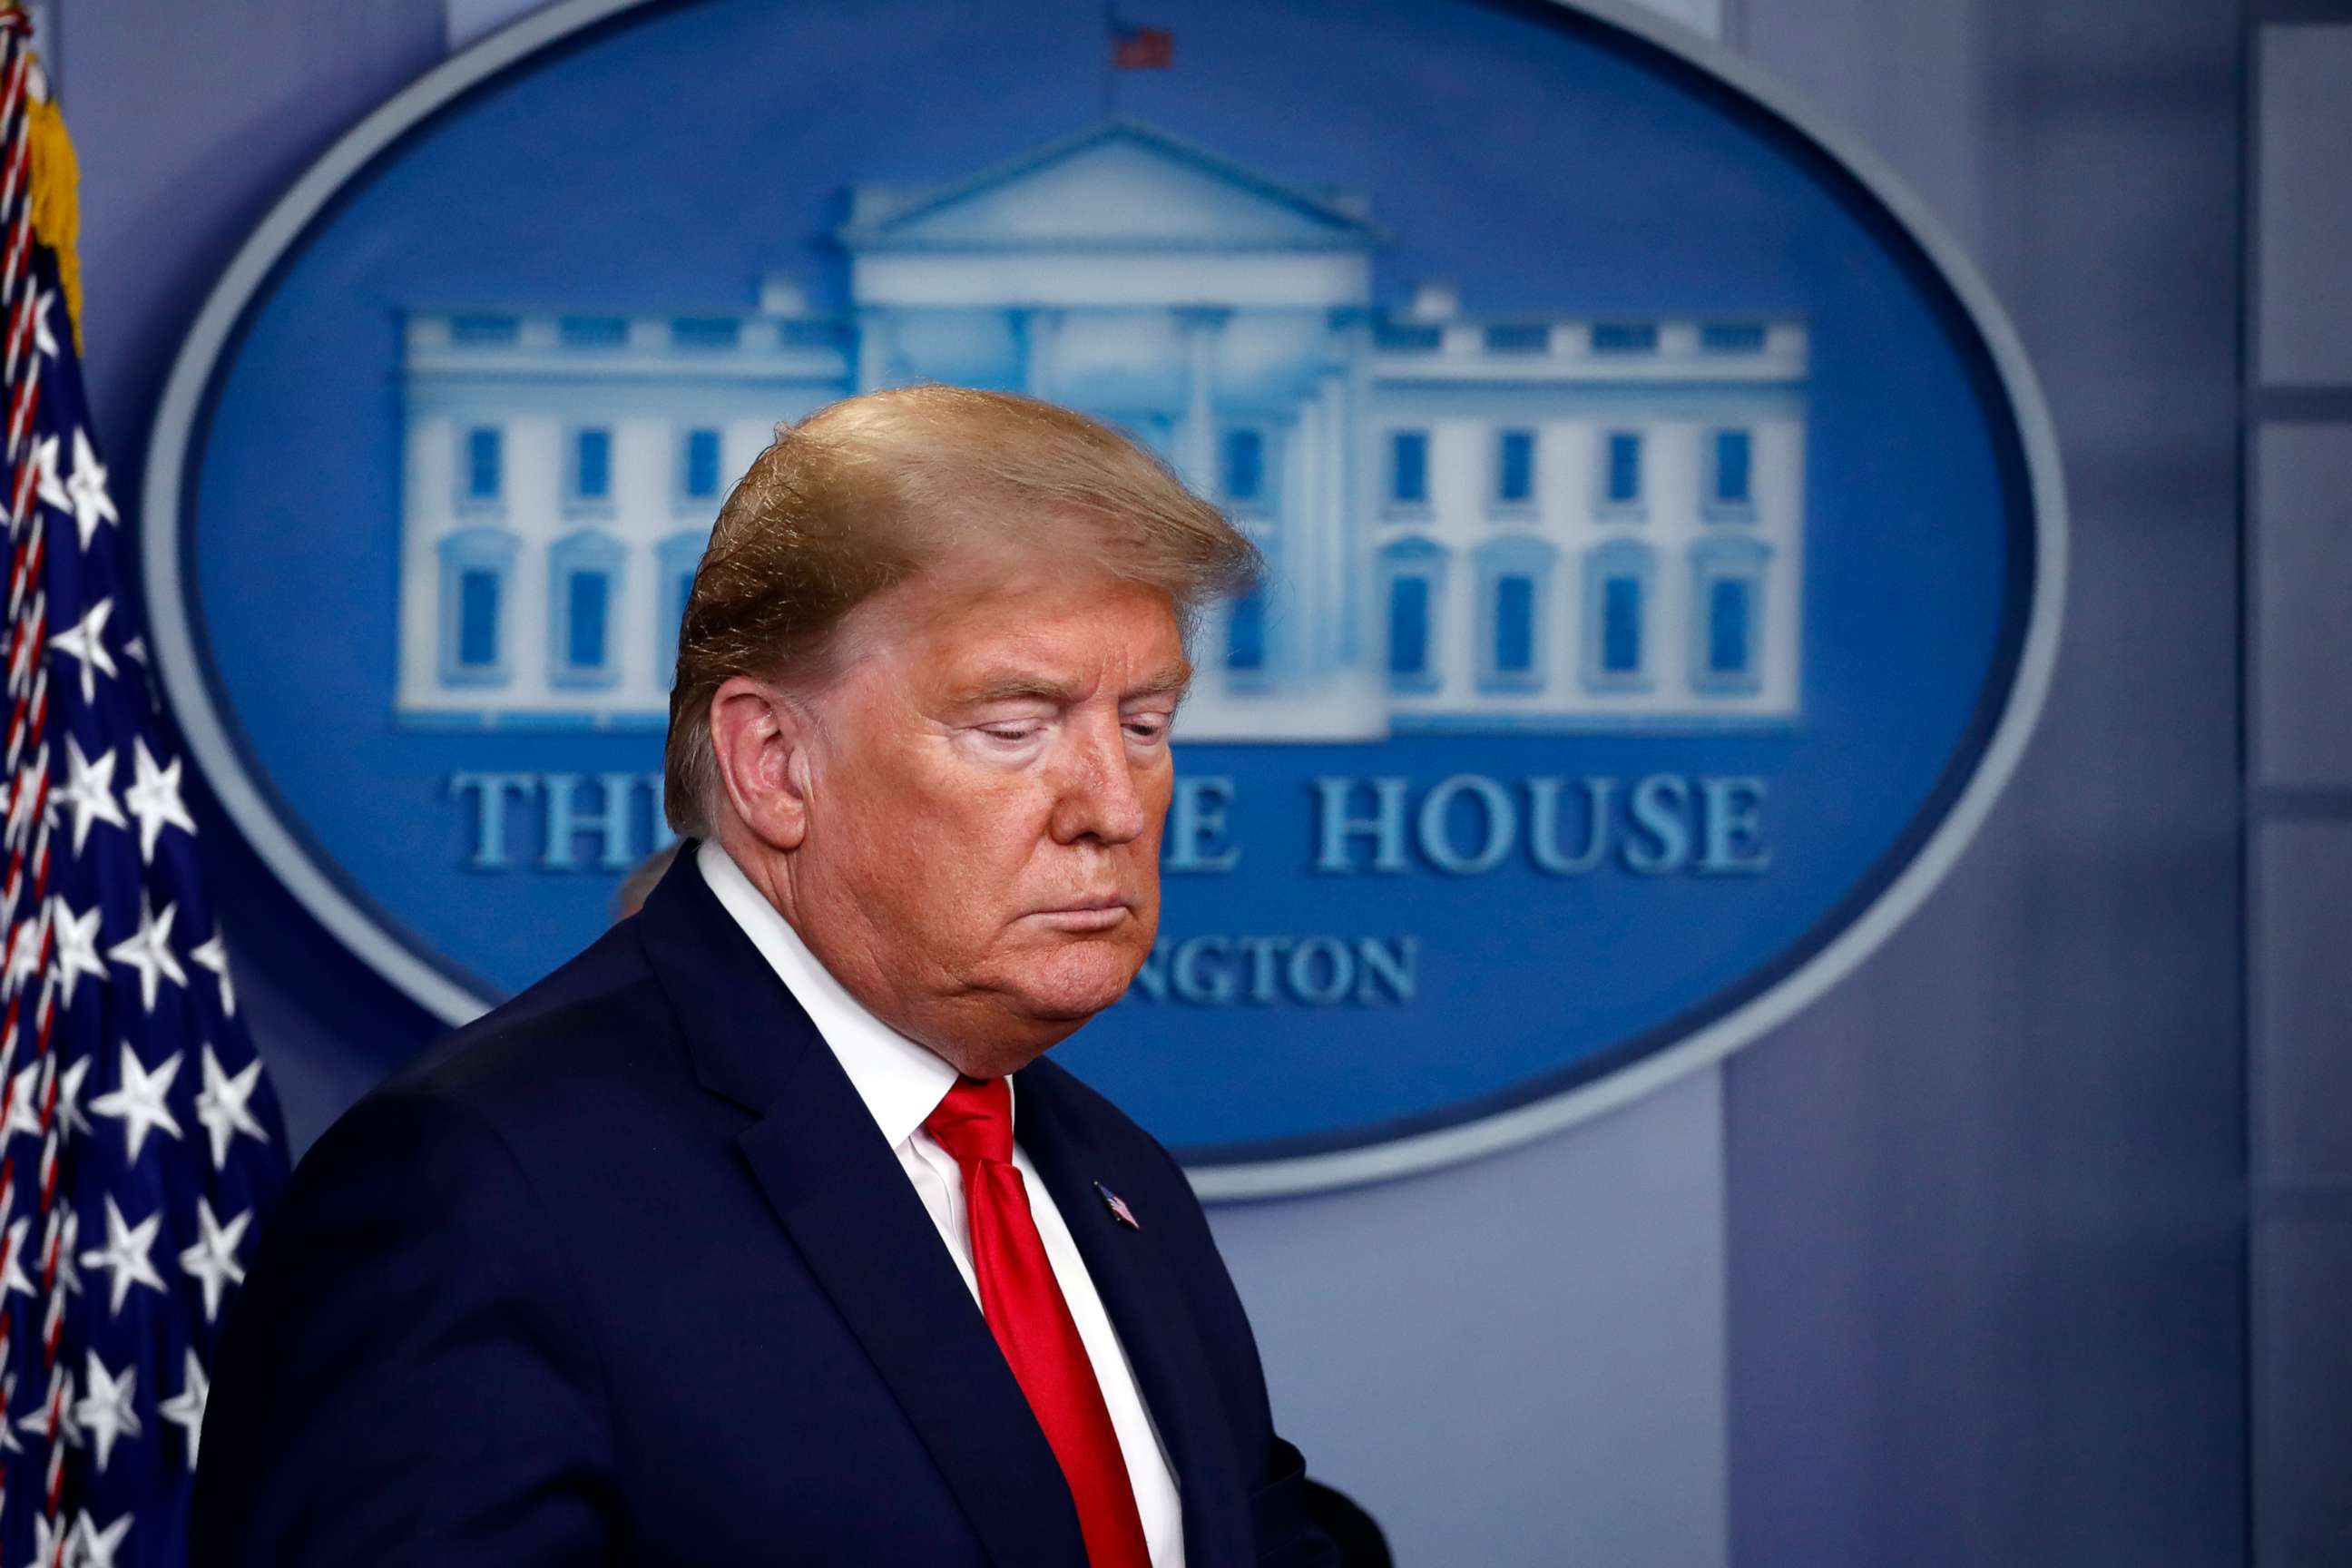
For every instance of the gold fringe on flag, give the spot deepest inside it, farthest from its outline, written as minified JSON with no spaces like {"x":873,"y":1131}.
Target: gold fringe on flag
{"x":56,"y":191}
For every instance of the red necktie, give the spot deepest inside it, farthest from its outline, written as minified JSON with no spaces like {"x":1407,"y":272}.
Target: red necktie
{"x":1032,"y":1323}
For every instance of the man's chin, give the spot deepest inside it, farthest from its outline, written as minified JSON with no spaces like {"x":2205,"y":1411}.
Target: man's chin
{"x":1073,"y":986}
{"x":1034,"y":1000}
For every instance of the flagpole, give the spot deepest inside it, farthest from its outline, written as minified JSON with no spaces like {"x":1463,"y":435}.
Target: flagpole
{"x":28,"y":757}
{"x":1110,"y":62}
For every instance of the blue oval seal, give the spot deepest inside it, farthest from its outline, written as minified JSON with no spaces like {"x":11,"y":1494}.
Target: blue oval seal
{"x":1666,"y":529}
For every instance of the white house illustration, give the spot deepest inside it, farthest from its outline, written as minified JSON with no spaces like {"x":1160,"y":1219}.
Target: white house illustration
{"x":1496,"y":523}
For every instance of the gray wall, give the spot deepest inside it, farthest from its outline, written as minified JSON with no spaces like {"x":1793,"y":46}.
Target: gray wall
{"x":2299,"y":833}
{"x":1950,"y":1270}
{"x":1518,"y":1361}
{"x":1987,"y":1224}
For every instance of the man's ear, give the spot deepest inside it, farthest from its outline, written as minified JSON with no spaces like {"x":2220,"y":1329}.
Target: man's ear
{"x":765,"y":745}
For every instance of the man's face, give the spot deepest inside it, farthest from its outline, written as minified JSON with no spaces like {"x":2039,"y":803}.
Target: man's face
{"x":981,"y":863}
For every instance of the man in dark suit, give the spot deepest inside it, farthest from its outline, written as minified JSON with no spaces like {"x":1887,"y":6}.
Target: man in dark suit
{"x":759,"y":1232}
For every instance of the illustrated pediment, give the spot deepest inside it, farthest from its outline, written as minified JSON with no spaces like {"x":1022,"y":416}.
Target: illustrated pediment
{"x":1122,"y":186}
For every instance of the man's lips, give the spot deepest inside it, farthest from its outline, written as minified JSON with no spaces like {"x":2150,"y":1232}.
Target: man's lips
{"x":1099,"y":913}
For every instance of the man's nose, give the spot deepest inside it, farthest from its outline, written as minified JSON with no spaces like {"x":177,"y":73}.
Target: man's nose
{"x":1097,"y":797}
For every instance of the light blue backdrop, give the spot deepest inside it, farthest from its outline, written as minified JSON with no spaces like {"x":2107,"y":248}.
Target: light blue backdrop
{"x":1909,"y":564}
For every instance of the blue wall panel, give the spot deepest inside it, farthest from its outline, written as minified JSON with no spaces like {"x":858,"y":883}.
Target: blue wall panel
{"x":1987,"y":1212}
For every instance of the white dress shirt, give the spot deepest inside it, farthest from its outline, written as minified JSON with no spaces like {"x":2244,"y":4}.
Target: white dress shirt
{"x":902,"y":1083}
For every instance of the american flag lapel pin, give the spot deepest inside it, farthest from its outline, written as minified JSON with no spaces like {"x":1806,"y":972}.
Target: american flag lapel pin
{"x":1118,"y":1207}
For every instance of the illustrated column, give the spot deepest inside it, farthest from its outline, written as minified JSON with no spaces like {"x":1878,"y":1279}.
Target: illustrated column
{"x":1203,"y":327}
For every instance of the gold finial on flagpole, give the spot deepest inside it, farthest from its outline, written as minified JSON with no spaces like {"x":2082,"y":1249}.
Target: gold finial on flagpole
{"x":55,"y":187}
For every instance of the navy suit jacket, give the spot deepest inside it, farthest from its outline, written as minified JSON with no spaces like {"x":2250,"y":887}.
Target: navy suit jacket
{"x":626,"y":1273}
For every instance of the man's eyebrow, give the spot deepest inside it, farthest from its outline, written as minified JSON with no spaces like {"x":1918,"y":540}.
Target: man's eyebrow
{"x":1168,"y":679}
{"x":1014,"y":687}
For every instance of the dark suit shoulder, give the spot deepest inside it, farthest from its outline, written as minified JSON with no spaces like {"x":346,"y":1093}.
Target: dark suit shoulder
{"x":593,"y":1040}
{"x":410,"y":1312}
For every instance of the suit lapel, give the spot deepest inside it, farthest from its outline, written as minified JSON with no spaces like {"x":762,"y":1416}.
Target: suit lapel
{"x":1141,"y":1290}
{"x":846,"y":1205}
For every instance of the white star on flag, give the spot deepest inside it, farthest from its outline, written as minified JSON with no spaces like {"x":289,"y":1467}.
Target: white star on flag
{"x":108,"y":1412}
{"x":54,"y":1544}
{"x":13,"y":1277}
{"x":222,"y":1106}
{"x":88,"y":791}
{"x":21,"y":809}
{"x":154,"y":798}
{"x":68,"y":1234}
{"x":212,"y":1261}
{"x":85,"y":641}
{"x":125,"y":1254}
{"x":150,"y":952}
{"x":70,"y":1098}
{"x":24,"y":1103}
{"x":44,"y":459}
{"x":90,"y":505}
{"x":68,"y":1116}
{"x":213,"y":956}
{"x":44,"y":339}
{"x":24,"y":955}
{"x":97,"y":1547}
{"x":58,"y":1406}
{"x":185,"y":1409}
{"x":216,"y":957}
{"x":77,"y":945}
{"x":139,"y":1104}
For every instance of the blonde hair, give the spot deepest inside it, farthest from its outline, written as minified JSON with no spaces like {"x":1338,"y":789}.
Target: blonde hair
{"x":874,"y":489}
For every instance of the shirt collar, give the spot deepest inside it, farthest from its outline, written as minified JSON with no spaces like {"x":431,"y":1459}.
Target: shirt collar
{"x":900,"y":1080}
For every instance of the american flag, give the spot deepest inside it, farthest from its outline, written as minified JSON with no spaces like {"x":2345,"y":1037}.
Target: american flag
{"x":140,"y":1145}
{"x":1139,"y":48}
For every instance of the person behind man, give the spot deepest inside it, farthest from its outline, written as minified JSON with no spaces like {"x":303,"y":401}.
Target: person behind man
{"x":637,"y":885}
{"x":759,"y":1232}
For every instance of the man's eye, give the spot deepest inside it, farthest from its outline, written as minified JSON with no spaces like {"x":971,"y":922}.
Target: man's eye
{"x":1009,"y":731}
{"x":1147,"y":728}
